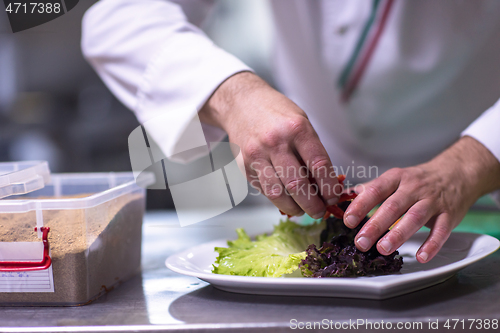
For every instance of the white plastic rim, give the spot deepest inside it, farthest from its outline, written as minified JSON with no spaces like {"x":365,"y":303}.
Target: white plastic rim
{"x":18,"y":178}
{"x":115,"y":183}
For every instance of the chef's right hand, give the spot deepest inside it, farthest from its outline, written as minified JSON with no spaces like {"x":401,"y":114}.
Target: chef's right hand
{"x":275,"y":136}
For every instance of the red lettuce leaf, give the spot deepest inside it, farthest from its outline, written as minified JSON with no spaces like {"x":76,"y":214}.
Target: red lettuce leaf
{"x":339,"y":257}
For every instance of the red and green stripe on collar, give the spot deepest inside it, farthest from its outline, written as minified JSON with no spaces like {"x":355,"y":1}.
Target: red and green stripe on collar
{"x":353,"y":71}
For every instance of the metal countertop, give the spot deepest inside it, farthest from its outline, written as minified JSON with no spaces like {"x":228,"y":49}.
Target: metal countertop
{"x":160,"y":300}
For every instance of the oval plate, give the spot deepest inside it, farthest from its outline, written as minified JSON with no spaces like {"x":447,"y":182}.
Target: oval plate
{"x":460,"y":250}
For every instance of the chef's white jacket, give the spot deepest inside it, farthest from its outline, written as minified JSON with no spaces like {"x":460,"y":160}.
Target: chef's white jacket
{"x":433,"y":72}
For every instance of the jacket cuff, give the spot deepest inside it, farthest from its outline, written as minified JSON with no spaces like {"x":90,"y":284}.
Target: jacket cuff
{"x":485,"y":129}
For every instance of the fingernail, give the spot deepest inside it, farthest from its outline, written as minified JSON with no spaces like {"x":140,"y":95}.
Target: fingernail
{"x":350,"y":221}
{"x":319,"y":216}
{"x":363,"y":243}
{"x":332,"y":201}
{"x":386,"y":245}
{"x":424,"y":256}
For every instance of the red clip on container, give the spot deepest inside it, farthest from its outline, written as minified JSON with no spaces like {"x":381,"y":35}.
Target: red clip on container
{"x":25,"y":266}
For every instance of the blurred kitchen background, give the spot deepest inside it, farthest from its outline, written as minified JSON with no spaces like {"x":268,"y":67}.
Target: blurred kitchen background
{"x":54,"y":107}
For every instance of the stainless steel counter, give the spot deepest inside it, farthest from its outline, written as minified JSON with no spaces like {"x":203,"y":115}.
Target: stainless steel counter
{"x":161,"y":300}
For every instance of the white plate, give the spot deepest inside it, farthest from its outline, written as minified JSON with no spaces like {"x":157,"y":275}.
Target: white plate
{"x":461,"y":250}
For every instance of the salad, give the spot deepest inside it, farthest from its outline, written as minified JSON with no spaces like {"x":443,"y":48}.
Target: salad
{"x":323,"y":249}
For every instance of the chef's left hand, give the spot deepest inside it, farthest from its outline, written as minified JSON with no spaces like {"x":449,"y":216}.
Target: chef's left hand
{"x":436,"y":194}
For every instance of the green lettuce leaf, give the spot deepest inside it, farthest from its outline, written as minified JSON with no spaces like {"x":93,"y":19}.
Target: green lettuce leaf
{"x":268,"y":256}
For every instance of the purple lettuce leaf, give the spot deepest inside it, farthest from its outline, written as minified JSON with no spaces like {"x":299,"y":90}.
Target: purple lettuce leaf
{"x":339,"y":257}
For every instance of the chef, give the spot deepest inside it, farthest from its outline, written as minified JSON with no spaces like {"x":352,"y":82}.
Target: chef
{"x":407,"y":89}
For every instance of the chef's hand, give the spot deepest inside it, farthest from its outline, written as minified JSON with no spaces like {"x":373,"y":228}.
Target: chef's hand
{"x":275,"y":136}
{"x":436,"y":194}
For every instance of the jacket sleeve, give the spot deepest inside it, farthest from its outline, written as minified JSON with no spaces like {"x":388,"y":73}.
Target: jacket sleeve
{"x":157,"y":63}
{"x":486,"y":129}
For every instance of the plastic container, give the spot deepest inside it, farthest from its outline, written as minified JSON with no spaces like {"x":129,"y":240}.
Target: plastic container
{"x":92,"y":223}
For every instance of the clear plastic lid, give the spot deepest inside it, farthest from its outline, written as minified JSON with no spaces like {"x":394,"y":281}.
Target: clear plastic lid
{"x":23,"y":177}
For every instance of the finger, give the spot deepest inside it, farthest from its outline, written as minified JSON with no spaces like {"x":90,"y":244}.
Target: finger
{"x":253,"y":180}
{"x":431,"y":222}
{"x":319,"y":164}
{"x":391,"y":210}
{"x":294,"y":177}
{"x":359,"y":188}
{"x":437,"y":237}
{"x":273,"y":189}
{"x":416,"y":217}
{"x":251,"y":173}
{"x":371,"y":195}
